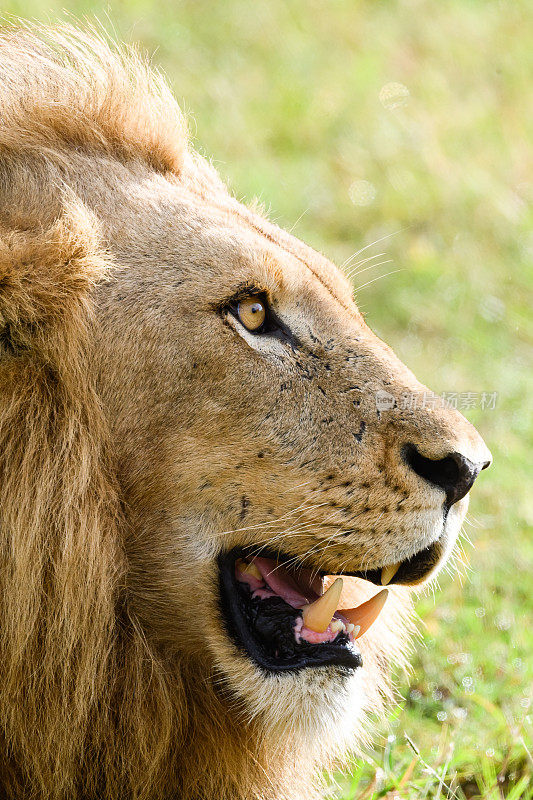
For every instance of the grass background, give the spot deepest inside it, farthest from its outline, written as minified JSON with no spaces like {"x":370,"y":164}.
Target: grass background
{"x":405,"y":122}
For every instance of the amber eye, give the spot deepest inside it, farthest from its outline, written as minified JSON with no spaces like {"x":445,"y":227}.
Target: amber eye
{"x":252,"y":312}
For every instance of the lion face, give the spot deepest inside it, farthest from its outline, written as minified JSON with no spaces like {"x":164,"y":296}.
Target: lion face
{"x":209,"y":462}
{"x":243,"y":387}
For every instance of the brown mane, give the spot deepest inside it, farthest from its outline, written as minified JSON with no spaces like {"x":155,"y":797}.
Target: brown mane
{"x":64,"y":88}
{"x":76,"y":674}
{"x":75,"y":677}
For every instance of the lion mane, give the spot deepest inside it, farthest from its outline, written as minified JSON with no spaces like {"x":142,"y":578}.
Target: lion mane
{"x":77,"y":675}
{"x":88,"y":707}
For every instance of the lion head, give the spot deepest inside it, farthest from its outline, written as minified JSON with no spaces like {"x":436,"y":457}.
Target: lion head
{"x":199,"y":435}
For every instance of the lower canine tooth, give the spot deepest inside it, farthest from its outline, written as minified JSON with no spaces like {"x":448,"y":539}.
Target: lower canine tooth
{"x":366,"y":614}
{"x":388,"y":573}
{"x":318,"y":615}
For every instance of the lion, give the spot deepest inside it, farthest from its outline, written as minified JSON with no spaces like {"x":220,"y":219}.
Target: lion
{"x":213,"y":505}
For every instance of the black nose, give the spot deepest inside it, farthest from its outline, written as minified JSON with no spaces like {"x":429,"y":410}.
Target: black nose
{"x":455,"y":473}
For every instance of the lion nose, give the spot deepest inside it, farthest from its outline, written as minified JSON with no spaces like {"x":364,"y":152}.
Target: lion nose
{"x":455,"y":473}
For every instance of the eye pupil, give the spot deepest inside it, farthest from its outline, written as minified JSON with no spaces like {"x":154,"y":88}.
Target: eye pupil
{"x":252,"y":312}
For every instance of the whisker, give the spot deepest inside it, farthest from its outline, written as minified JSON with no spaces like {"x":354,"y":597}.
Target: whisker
{"x":358,"y":288}
{"x":361,"y":261}
{"x":381,"y":239}
{"x":272,"y":522}
{"x":293,"y":488}
{"x":355,"y":272}
{"x":304,"y":212}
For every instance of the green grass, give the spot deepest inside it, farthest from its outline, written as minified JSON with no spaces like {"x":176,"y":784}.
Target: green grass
{"x":294,"y":102}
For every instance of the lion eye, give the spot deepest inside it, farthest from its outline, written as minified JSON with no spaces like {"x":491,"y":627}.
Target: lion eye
{"x":251,"y":311}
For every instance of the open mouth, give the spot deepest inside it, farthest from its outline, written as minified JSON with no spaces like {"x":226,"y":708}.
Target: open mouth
{"x":281,"y":617}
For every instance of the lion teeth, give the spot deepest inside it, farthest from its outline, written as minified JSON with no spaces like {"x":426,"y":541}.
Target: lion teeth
{"x":388,"y":573}
{"x":318,"y":615}
{"x":336,"y":625}
{"x":366,"y":614}
{"x":353,"y":629}
{"x":248,"y":568}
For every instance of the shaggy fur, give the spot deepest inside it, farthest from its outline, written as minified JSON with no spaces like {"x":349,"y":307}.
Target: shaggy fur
{"x":142,"y":431}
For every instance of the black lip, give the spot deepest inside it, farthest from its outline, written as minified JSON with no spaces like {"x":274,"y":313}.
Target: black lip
{"x":413,"y":570}
{"x":342,"y":655}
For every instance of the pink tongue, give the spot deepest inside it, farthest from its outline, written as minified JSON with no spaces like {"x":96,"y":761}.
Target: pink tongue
{"x":283,"y":584}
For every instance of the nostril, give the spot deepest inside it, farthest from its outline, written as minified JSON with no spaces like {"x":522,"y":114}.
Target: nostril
{"x":455,"y":473}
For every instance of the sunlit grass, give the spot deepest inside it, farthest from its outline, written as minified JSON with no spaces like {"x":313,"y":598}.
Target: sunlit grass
{"x":410,"y":123}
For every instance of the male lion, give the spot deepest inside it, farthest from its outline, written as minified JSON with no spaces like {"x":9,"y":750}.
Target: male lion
{"x":189,"y":444}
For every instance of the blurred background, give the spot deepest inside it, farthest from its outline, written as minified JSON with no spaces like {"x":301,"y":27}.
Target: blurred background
{"x":396,"y":137}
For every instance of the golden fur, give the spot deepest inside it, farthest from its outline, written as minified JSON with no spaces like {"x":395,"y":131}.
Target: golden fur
{"x":141,"y":432}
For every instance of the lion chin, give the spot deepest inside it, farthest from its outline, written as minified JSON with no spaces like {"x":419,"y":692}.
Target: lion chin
{"x":215,"y":492}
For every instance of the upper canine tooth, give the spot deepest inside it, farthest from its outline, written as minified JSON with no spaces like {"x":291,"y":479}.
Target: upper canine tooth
{"x":318,"y":615}
{"x":248,"y":568}
{"x":388,"y":573}
{"x":366,"y":614}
